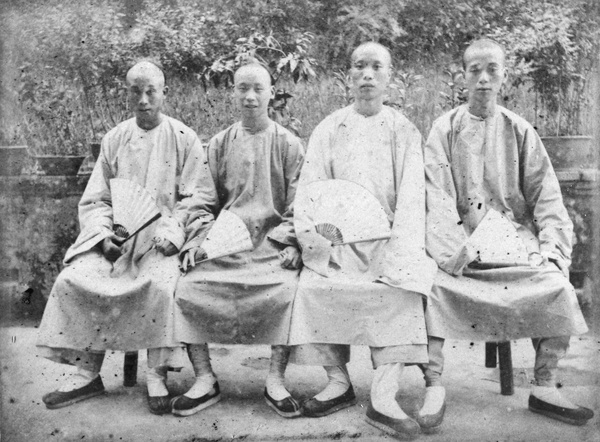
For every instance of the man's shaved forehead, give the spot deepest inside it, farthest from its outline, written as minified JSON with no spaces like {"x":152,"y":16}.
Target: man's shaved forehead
{"x":483,"y":44}
{"x":145,"y":69}
{"x":373,"y":46}
{"x":257,"y":67}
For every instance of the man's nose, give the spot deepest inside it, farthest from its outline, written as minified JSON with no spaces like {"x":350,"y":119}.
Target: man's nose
{"x":143,"y":98}
{"x":368,"y":74}
{"x":251,"y":96}
{"x":484,"y":77}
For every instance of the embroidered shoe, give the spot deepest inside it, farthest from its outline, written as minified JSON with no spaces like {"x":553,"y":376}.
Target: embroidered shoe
{"x":59,"y":399}
{"x":185,"y":406}
{"x":573,"y":416}
{"x":316,"y":408}
{"x":403,"y":429}
{"x":287,"y":407}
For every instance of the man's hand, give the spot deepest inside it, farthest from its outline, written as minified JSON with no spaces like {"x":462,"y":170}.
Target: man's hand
{"x":290,"y":258}
{"x":557,"y":261}
{"x":166,"y":247}
{"x":190,"y":258}
{"x":538,"y":259}
{"x":111,"y":247}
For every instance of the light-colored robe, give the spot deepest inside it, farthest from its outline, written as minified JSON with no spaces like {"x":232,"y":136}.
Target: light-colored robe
{"x":473,"y":165}
{"x":368,"y":293}
{"x":96,"y":305}
{"x":245,"y":298}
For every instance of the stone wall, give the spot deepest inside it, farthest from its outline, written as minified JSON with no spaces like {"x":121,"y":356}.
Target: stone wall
{"x":38,"y":223}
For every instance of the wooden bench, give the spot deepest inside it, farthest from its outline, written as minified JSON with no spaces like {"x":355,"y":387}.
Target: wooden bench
{"x":499,"y":353}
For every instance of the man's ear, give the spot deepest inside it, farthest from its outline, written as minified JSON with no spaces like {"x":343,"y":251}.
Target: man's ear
{"x":165,"y":90}
{"x":272,"y":96}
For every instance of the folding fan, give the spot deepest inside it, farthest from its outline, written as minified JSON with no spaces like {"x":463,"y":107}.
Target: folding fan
{"x":134,"y":208}
{"x":228,"y":235}
{"x":498,"y":243}
{"x":344,"y":212}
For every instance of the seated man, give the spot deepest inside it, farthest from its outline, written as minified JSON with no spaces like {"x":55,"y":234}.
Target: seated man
{"x":366,"y":293}
{"x":483,"y":162}
{"x":120,"y":296}
{"x":244,"y":298}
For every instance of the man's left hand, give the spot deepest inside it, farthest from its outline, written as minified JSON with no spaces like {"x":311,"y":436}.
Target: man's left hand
{"x":290,"y":258}
{"x":166,"y":247}
{"x":557,"y":261}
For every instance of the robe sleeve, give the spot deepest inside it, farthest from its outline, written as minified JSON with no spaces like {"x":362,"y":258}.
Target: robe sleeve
{"x":195,"y":194}
{"x":446,"y":239}
{"x":205,"y":204}
{"x":541,"y":190}
{"x":405,"y":263}
{"x":316,"y":250}
{"x":95,"y":207}
{"x":284,"y":233}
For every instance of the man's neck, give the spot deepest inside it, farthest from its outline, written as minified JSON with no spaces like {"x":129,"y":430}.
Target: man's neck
{"x":368,"y":107}
{"x":483,"y":109}
{"x":149,"y":124}
{"x":255,"y":125}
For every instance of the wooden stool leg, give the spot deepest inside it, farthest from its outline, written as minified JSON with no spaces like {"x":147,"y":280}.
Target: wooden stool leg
{"x":490,"y":354}
{"x":506,"y":368}
{"x":130,"y":369}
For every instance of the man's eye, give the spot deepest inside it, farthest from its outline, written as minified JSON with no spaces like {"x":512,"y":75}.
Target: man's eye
{"x":259,"y":89}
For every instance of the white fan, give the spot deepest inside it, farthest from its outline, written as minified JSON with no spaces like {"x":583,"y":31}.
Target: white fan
{"x":344,"y":212}
{"x":228,"y":235}
{"x":134,"y":208}
{"x":498,"y":243}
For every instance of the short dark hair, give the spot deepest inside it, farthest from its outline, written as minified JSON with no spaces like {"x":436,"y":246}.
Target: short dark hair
{"x":156,"y":62}
{"x":483,"y":43}
{"x":254,"y":62}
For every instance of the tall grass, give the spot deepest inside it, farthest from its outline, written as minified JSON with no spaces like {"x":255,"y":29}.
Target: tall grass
{"x":211,"y":111}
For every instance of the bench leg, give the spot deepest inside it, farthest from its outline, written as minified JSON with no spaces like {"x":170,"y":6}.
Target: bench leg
{"x":506,"y":368}
{"x":490,"y":354}
{"x":130,"y":369}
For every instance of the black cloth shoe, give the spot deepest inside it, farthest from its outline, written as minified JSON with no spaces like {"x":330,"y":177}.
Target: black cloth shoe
{"x":316,"y":408}
{"x":403,"y":429}
{"x":287,"y":407}
{"x":59,"y":399}
{"x":431,"y":423}
{"x":159,"y":404}
{"x":185,"y":406}
{"x":573,"y":416}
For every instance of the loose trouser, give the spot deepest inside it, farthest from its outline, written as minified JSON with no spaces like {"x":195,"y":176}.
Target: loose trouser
{"x":548,"y":351}
{"x":92,"y":360}
{"x":339,"y":354}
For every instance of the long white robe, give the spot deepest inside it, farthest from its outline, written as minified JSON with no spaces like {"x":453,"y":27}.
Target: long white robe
{"x":245,"y":298}
{"x":499,"y":163}
{"x":368,"y":293}
{"x":96,"y":305}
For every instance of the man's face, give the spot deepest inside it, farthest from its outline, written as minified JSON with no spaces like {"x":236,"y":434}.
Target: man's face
{"x":370,"y":72}
{"x":146,"y":98}
{"x":252,"y":91}
{"x":484,"y":73}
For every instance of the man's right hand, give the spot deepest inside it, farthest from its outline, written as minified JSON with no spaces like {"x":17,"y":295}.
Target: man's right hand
{"x":111,"y":247}
{"x":191,"y":257}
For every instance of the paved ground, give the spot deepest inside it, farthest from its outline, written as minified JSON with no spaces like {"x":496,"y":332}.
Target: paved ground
{"x":476,"y":412}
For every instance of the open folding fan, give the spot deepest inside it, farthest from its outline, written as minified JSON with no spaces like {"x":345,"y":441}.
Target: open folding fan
{"x":344,"y":212}
{"x":228,"y":235}
{"x":498,"y":243}
{"x":134,"y":208}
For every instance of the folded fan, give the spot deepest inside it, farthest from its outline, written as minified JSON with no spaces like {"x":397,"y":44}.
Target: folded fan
{"x":498,"y":243}
{"x":343,"y":212}
{"x":228,"y":235}
{"x":134,"y":208}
